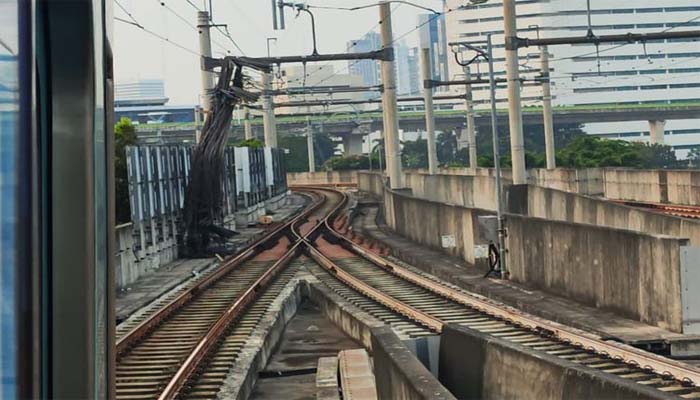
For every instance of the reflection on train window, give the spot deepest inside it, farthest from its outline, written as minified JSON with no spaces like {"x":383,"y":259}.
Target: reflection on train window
{"x":8,"y":188}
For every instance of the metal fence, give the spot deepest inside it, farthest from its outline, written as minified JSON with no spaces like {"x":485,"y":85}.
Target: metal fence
{"x":159,"y":175}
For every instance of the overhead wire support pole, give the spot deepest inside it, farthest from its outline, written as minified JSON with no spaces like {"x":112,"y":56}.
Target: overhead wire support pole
{"x":547,"y":115}
{"x":471,"y":127}
{"x":266,"y":63}
{"x":429,"y":111}
{"x":389,"y":104}
{"x":515,"y":111}
{"x":269,"y":124}
{"x":310,"y":145}
{"x":326,"y":90}
{"x":497,"y":163}
{"x":207,"y":76}
{"x":247,"y":128}
{"x":619,"y":38}
{"x":356,"y":102}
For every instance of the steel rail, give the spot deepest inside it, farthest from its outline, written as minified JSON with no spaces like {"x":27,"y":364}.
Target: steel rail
{"x":218,"y":329}
{"x":658,"y":364}
{"x":143,"y":328}
{"x":210,"y":339}
{"x":357,"y":284}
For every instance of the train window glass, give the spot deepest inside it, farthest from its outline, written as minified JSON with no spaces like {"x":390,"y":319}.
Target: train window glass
{"x":9,"y":108}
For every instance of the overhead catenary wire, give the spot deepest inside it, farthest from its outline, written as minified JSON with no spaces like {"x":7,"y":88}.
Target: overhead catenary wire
{"x":354,"y":43}
{"x":226,"y":34}
{"x":188,"y":23}
{"x":157,"y":35}
{"x":429,"y":20}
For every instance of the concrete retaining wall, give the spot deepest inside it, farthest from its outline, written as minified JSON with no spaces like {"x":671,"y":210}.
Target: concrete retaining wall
{"x":636,"y":275}
{"x":478,"y":366}
{"x":371,"y":183}
{"x":321,"y":178}
{"x":426,"y":222}
{"x":554,"y":204}
{"x":398,"y":373}
{"x":463,"y":190}
{"x":129,"y":267}
{"x":654,"y":186}
{"x":651,"y":186}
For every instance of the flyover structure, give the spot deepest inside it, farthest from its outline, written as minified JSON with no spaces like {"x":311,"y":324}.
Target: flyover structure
{"x":352,"y":127}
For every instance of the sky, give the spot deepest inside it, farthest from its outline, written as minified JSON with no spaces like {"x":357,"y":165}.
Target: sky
{"x":140,"y":55}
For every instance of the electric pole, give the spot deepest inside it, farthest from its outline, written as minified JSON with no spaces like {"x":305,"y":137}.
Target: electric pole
{"x":515,"y":112}
{"x":310,"y":145}
{"x":497,"y":162}
{"x":269,"y":125}
{"x":205,"y":51}
{"x":389,"y":104}
{"x":471,"y":128}
{"x":429,"y":111}
{"x":247,"y":128}
{"x":547,"y":109}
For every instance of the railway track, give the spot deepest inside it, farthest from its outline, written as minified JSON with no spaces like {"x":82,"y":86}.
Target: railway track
{"x":430,"y":304}
{"x":157,"y":356}
{"x":668,"y":209}
{"x":187,"y":348}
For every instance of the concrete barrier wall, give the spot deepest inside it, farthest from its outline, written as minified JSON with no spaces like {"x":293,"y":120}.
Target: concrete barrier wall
{"x":371,"y":183}
{"x":633,"y":274}
{"x":426,"y":222}
{"x":637,"y":275}
{"x":558,"y":205}
{"x":321,"y":178}
{"x":128,"y":266}
{"x":654,"y":186}
{"x":651,"y":186}
{"x":474,"y":365}
{"x":398,"y":373}
{"x":463,"y":190}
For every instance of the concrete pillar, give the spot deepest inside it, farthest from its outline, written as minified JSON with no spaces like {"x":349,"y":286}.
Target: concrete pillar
{"x":471,"y":128}
{"x":246,"y":124}
{"x":547,"y":110}
{"x":429,"y":111}
{"x":515,"y":112}
{"x":352,"y":144}
{"x":310,"y":146}
{"x":657,"y":131}
{"x":269,"y":124}
{"x":389,"y":104}
{"x":198,"y":124}
{"x":207,"y":77}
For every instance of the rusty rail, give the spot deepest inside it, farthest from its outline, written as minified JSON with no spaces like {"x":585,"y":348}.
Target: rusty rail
{"x":155,"y":319}
{"x":658,"y":364}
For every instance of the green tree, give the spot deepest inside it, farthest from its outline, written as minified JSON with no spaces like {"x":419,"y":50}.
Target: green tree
{"x":254,"y":143}
{"x":340,"y":163}
{"x":415,"y":154}
{"x":592,"y":152}
{"x":124,"y":135}
{"x":298,"y":157}
{"x":694,"y":157}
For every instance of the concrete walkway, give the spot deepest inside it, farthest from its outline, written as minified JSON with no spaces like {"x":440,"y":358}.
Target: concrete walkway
{"x":545,"y":305}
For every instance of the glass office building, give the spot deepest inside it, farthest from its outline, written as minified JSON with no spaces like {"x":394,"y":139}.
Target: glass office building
{"x":663,"y":71}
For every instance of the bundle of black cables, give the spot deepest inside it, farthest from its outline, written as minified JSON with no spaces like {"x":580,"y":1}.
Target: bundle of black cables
{"x":204,"y":196}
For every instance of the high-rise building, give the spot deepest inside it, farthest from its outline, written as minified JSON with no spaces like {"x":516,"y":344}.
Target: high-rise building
{"x":416,"y":83}
{"x":144,"y":92}
{"x":367,"y":69}
{"x":433,"y":36}
{"x":665,"y":71}
{"x":408,"y":78}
